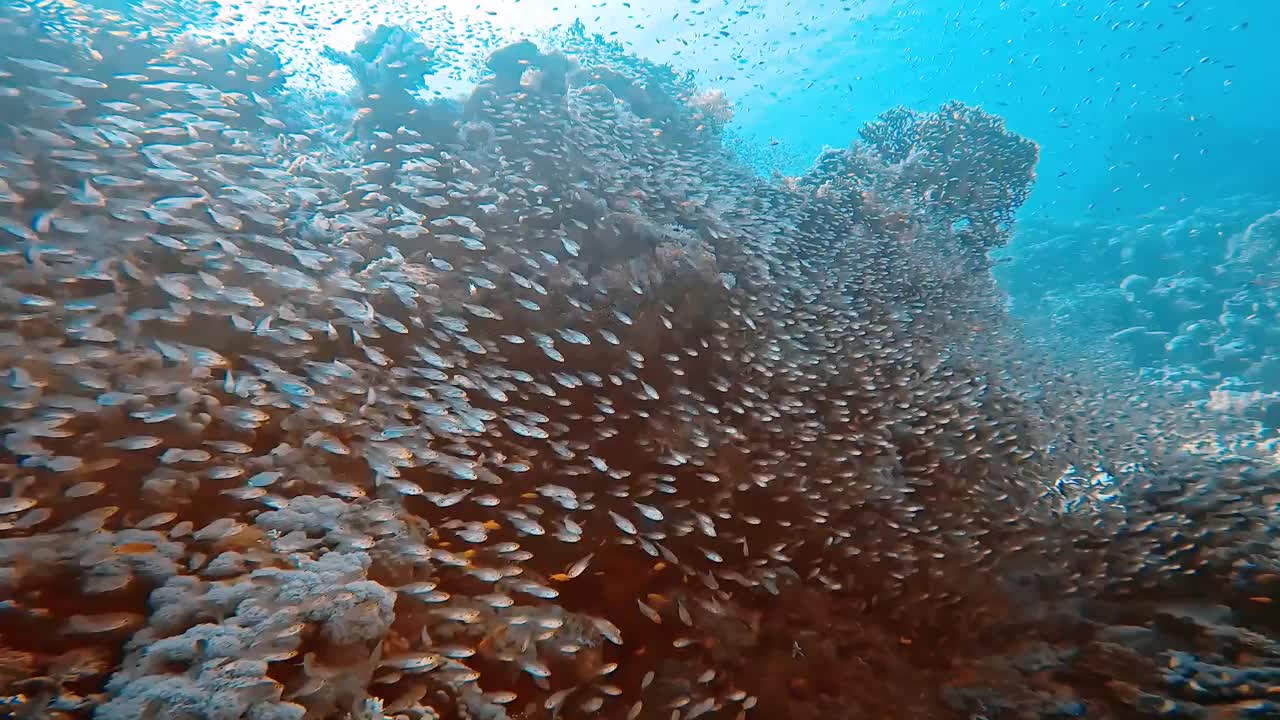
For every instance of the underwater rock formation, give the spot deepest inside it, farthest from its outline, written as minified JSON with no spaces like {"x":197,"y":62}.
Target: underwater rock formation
{"x":1189,"y":297}
{"x":540,"y":405}
{"x":959,"y":166}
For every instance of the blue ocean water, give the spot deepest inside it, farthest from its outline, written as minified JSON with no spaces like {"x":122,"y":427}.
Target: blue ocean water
{"x":515,"y":359}
{"x":1135,"y":104}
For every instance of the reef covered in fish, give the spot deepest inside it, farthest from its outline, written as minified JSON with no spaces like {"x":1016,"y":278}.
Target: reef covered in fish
{"x":542,"y":405}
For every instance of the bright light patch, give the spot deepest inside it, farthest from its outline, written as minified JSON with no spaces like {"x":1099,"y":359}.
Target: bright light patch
{"x":463,"y":32}
{"x":763,"y":54}
{"x":727,"y":47}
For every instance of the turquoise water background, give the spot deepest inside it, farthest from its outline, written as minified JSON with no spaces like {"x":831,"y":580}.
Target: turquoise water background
{"x":1136,"y":103}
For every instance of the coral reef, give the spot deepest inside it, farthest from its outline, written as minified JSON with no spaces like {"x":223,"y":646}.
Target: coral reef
{"x":541,"y":405}
{"x":960,"y":166}
{"x":1187,"y":296}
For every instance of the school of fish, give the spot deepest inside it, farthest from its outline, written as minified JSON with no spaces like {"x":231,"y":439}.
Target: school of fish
{"x":532,"y":406}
